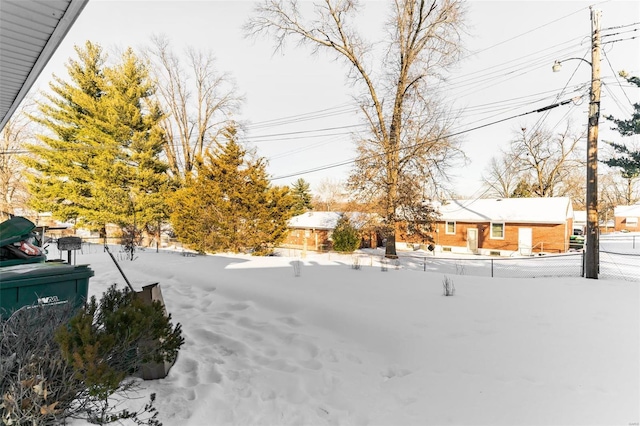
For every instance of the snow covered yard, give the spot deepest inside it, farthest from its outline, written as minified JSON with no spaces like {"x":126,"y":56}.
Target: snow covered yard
{"x":343,"y":346}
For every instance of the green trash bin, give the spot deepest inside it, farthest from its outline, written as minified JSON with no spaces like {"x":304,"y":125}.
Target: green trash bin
{"x":45,"y":284}
{"x":18,"y":244}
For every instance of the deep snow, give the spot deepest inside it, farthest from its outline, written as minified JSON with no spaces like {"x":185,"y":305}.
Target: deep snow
{"x":315,"y":341}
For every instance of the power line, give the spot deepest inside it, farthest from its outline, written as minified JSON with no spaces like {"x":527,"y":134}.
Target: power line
{"x":323,"y":113}
{"x":527,"y":32}
{"x":620,"y":26}
{"x":521,"y":63}
{"x":540,"y":122}
{"x":616,"y":76}
{"x":619,"y":40}
{"x":302,"y":132}
{"x":306,"y":148}
{"x":616,"y":99}
{"x":480,"y":109}
{"x":351,"y":161}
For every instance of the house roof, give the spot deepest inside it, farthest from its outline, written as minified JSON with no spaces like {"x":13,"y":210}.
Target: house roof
{"x":30,"y":32}
{"x":520,"y":210}
{"x":315,"y":220}
{"x":329,"y":220}
{"x":627,"y":211}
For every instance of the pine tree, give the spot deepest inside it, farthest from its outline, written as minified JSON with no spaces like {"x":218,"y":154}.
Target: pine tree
{"x":631,"y":126}
{"x":302,"y":194}
{"x":100,"y":161}
{"x":627,"y":160}
{"x":230,"y":205}
{"x":110,"y":339}
{"x":346,"y":237}
{"x":62,"y":164}
{"x":136,"y":124}
{"x":523,"y":189}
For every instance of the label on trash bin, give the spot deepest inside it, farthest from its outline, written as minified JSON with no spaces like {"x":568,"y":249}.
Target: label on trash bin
{"x":50,"y":300}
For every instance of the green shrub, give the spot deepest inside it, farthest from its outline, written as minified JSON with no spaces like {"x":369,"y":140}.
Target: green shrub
{"x":109,"y":340}
{"x":346,"y":237}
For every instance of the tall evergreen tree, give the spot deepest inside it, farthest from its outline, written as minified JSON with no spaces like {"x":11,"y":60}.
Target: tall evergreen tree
{"x":230,"y":205}
{"x":62,"y":164}
{"x":631,"y":126}
{"x":100,"y":161}
{"x":136,"y":127}
{"x":627,"y":160}
{"x":301,"y":192}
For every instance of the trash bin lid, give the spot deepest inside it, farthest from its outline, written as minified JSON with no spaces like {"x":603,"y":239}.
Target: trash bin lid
{"x":52,"y":271}
{"x":15,"y":229}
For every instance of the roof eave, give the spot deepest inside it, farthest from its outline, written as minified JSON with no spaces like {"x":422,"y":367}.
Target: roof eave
{"x":541,"y":222}
{"x":64,"y":25}
{"x":318,"y":228}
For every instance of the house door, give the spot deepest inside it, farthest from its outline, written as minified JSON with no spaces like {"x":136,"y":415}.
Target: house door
{"x":472,"y":240}
{"x":525,"y":241}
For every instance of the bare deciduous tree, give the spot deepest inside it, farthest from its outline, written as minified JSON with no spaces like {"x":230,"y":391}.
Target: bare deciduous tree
{"x":616,"y":188}
{"x":407,"y":141}
{"x":540,"y":164}
{"x":502,"y":175}
{"x":574,"y":186}
{"x":13,"y":185}
{"x":329,"y":195}
{"x":199,"y":100}
{"x":610,"y":195}
{"x":548,"y":160}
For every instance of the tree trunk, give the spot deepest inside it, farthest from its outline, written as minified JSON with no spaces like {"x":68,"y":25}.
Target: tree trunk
{"x":390,"y":246}
{"x":158,"y":236}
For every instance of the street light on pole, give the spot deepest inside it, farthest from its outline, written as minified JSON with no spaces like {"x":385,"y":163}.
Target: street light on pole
{"x":592,"y":250}
{"x":557,"y":65}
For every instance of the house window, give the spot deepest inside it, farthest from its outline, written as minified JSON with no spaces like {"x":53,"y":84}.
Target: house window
{"x":497,"y":231}
{"x":632,"y":222}
{"x":450,"y":228}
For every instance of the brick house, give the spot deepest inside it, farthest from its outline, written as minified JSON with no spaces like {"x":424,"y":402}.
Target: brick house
{"x":312,"y":230}
{"x":505,"y":226}
{"x":627,"y":218}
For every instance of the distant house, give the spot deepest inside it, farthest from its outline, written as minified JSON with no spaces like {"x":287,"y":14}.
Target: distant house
{"x":505,"y":226}
{"x":580,"y":221}
{"x":627,"y":218}
{"x":313,"y":230}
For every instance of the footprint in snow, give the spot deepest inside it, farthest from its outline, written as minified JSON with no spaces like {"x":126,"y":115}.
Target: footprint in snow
{"x":393,"y":372}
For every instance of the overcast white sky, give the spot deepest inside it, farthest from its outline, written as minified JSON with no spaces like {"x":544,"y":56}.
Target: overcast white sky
{"x":512,"y":46}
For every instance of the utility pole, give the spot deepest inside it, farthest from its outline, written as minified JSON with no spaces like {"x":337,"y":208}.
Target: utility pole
{"x":592,"y":253}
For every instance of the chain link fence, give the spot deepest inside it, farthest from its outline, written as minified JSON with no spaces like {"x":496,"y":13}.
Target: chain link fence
{"x":565,"y":265}
{"x":620,"y":256}
{"x":619,"y":259}
{"x":623,"y":241}
{"x":625,"y":266}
